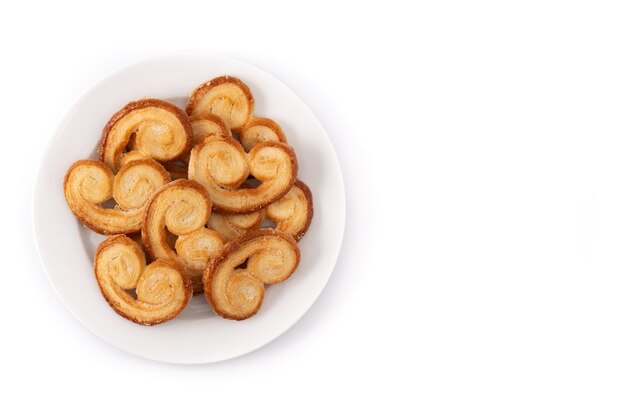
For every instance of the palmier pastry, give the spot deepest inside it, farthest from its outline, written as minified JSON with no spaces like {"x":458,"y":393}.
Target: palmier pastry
{"x":226,"y":97}
{"x":133,"y":155}
{"x":220,"y":164}
{"x":207,"y":124}
{"x":162,"y":288}
{"x":237,"y":293}
{"x":90,"y":183}
{"x":154,"y":127}
{"x":232,"y":226}
{"x":181,"y":208}
{"x":260,"y":129}
{"x":293,"y":213}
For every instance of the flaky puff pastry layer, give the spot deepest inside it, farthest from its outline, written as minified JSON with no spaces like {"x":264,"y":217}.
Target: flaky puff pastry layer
{"x":227,"y":97}
{"x":162,"y":288}
{"x":260,"y":129}
{"x":154,"y":127}
{"x":204,"y":125}
{"x":221,"y":165}
{"x":293,"y":213}
{"x":90,"y":183}
{"x":237,"y":293}
{"x":181,"y":208}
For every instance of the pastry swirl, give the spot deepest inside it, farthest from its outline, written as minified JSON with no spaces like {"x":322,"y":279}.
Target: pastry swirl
{"x":154,"y":127}
{"x":293,"y":213}
{"x":220,"y":164}
{"x":90,"y":183}
{"x":226,"y":97}
{"x":196,"y":248}
{"x":237,"y":293}
{"x":133,"y":155}
{"x":181,"y":208}
{"x":162,"y":288}
{"x":207,"y":124}
{"x":260,"y":129}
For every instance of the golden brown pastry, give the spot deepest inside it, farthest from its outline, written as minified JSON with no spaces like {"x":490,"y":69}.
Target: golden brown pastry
{"x":293,"y":213}
{"x":260,"y":129}
{"x":232,"y":226}
{"x":207,"y":124}
{"x":154,"y":127}
{"x":237,"y":293}
{"x":181,"y":209}
{"x":162,"y":288}
{"x":196,"y":248}
{"x":133,"y":155}
{"x":227,"y":97}
{"x":220,"y":164}
{"x":90,"y":183}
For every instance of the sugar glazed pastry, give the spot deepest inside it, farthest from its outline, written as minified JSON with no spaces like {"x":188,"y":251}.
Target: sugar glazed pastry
{"x":293,"y":213}
{"x":229,"y":98}
{"x":153,"y":127}
{"x":270,"y":256}
{"x":260,"y":129}
{"x":90,"y":183}
{"x":181,"y":210}
{"x":207,"y":124}
{"x":221,"y":165}
{"x":204,"y":200}
{"x":162,"y":288}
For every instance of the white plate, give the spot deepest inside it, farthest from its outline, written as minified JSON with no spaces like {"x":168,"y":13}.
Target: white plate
{"x":196,"y":336}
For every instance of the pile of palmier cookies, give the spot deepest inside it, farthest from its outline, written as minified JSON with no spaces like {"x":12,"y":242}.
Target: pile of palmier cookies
{"x":205,"y":200}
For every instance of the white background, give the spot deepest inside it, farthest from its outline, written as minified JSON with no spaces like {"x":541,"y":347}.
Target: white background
{"x":483,"y":147}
